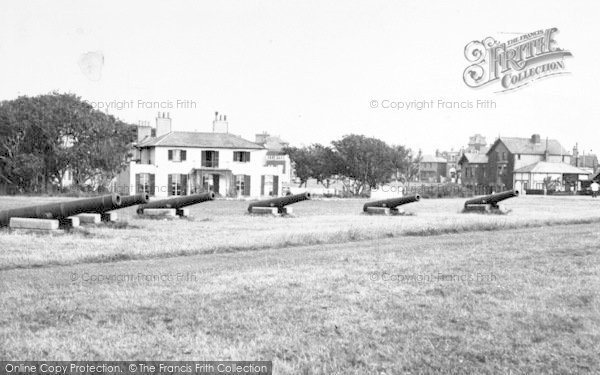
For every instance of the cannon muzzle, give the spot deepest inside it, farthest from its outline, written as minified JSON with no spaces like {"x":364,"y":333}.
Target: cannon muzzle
{"x":178,"y":202}
{"x":280,"y":202}
{"x":392,"y":202}
{"x":62,"y":210}
{"x":492,"y":199}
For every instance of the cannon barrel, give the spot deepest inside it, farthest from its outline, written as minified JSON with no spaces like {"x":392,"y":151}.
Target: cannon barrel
{"x":62,"y":210}
{"x":392,"y":202}
{"x":493,"y":199}
{"x":128,"y":201}
{"x":179,"y":202}
{"x":280,"y":202}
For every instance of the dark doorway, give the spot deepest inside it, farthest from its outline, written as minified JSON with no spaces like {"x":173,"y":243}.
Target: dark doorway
{"x":216,"y":183}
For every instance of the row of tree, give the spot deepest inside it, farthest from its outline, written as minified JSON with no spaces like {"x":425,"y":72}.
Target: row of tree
{"x":43,"y":137}
{"x":357,"y":161}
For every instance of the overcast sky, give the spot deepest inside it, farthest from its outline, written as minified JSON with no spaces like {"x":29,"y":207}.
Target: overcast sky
{"x":305,"y":70}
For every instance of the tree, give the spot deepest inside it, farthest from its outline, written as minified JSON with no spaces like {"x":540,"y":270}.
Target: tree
{"x":325,"y":164}
{"x":42,"y":136}
{"x":401,"y":160}
{"x":366,"y":161}
{"x":302,"y":160}
{"x":100,"y":150}
{"x":414,"y":166}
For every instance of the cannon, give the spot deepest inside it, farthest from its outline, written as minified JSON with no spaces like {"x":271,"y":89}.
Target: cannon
{"x":62,"y":210}
{"x":489,"y":203}
{"x":176,"y":204}
{"x":267,"y":205}
{"x":389,"y":206}
{"x":126,"y":201}
{"x":132,"y":200}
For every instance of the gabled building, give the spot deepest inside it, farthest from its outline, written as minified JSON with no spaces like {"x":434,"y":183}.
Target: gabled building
{"x":472,"y":171}
{"x":170,"y":163}
{"x":432,"y":169}
{"x":506,"y":155}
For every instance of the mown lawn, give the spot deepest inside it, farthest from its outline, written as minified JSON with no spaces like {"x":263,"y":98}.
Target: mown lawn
{"x":513,"y":301}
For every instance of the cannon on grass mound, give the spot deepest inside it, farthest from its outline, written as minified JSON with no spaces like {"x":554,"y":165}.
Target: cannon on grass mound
{"x":174,"y":206}
{"x":277,"y":206}
{"x":389,"y":206}
{"x":53,"y":215}
{"x":489,"y":203}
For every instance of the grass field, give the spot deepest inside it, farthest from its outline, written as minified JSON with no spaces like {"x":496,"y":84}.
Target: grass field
{"x":328,"y":291}
{"x":225,"y":226}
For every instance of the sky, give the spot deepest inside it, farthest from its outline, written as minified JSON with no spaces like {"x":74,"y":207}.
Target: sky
{"x":309,"y":71}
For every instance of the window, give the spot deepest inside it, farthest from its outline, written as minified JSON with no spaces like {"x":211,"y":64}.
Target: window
{"x":144,"y":183}
{"x":239,"y":184}
{"x":210,"y":159}
{"x":242,"y":184}
{"x":504,"y":156}
{"x":177,"y":184}
{"x":241,"y":156}
{"x":497,"y":155}
{"x":519,"y":156}
{"x":177,"y":155}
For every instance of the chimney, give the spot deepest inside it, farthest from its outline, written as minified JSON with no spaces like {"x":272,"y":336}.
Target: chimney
{"x":576,"y":155}
{"x":163,"y":124}
{"x":220,"y":124}
{"x":261,"y":138}
{"x":546,"y":152}
{"x":536,"y":139}
{"x":143,"y":131}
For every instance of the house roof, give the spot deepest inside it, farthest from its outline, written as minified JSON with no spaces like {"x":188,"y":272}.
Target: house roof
{"x":432,"y":159}
{"x":547,"y":167}
{"x":275,"y":143}
{"x":200,"y":140}
{"x":525,"y":146}
{"x":473,"y":158}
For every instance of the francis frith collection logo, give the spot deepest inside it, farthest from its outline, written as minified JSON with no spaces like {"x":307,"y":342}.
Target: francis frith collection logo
{"x":516,"y":62}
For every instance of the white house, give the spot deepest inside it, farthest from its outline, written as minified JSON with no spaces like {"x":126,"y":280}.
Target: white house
{"x":170,"y":163}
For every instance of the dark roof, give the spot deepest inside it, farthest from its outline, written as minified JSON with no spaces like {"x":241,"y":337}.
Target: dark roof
{"x":473,"y":158}
{"x":200,"y":140}
{"x":525,"y":146}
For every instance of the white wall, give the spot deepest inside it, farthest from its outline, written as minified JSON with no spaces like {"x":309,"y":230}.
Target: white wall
{"x":161,"y":167}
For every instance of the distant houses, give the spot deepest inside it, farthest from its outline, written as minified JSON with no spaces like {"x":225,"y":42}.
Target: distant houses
{"x":530,"y":164}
